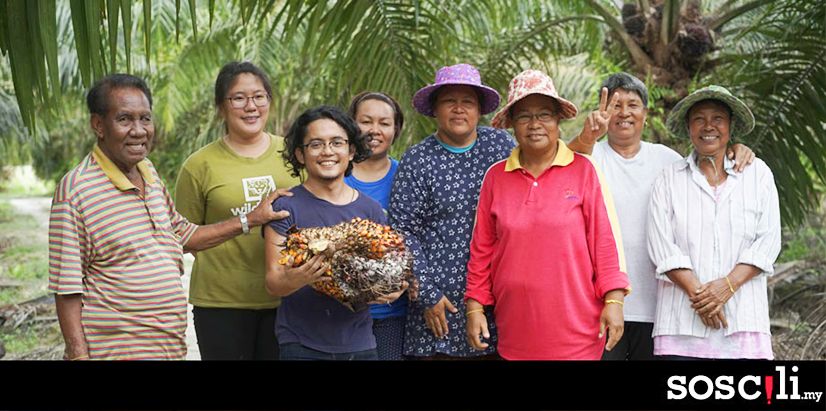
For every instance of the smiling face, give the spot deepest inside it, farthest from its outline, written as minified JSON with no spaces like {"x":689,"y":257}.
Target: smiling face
{"x":126,"y":133}
{"x":625,"y":126}
{"x":248,"y":121}
{"x":457,"y":114}
{"x":708,"y":127}
{"x":327,"y":162}
{"x":535,"y":135}
{"x":375,"y":118}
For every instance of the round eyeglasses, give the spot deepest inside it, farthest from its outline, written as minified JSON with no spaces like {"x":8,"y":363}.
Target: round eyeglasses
{"x":317,"y":146}
{"x":241,"y":101}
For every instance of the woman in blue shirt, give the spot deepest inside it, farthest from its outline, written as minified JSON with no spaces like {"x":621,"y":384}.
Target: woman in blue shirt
{"x":380,"y":118}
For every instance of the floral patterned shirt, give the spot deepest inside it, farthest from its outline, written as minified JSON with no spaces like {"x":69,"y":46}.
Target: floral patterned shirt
{"x":433,"y":204}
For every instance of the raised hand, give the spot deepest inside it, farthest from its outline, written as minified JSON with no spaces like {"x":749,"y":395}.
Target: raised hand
{"x":596,"y":124}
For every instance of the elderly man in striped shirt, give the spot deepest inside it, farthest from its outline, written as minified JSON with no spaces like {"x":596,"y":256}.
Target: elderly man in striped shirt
{"x":116,"y":242}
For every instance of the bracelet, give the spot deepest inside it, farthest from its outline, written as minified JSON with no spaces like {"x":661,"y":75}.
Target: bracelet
{"x":245,"y":228}
{"x":729,"y":285}
{"x":478,"y":310}
{"x":614,"y":302}
{"x":82,"y":357}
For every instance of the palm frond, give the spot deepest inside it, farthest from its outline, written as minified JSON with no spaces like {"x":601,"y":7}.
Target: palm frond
{"x":783,"y":78}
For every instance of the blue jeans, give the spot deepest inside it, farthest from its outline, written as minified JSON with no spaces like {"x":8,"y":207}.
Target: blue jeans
{"x":298,"y":352}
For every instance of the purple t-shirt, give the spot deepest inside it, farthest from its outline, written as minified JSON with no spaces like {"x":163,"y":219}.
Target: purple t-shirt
{"x":306,"y":316}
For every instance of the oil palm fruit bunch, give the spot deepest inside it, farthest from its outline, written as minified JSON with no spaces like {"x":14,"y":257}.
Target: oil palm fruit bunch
{"x":365,"y":259}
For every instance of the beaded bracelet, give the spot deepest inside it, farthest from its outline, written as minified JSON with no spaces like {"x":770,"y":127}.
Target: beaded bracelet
{"x":614,"y":302}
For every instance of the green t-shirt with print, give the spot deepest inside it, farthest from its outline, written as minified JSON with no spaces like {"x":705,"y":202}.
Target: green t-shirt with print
{"x":215,"y":184}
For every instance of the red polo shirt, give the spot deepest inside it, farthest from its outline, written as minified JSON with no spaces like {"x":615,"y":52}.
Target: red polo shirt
{"x":544,"y":252}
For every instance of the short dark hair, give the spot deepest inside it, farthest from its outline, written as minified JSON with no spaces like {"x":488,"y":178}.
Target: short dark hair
{"x":232,"y":70}
{"x":97,"y":99}
{"x":398,"y":116}
{"x":298,"y":130}
{"x":626,"y":82}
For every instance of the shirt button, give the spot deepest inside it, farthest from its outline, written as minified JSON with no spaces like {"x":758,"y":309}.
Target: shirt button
{"x":535,"y":184}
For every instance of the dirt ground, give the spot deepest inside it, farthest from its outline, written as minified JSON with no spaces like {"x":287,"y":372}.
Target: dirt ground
{"x":797,"y":297}
{"x":41,"y":310}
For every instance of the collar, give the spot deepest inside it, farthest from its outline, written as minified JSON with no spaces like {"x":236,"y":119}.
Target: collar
{"x":457,"y":150}
{"x":691,"y":163}
{"x":116,"y":176}
{"x":564,"y":156}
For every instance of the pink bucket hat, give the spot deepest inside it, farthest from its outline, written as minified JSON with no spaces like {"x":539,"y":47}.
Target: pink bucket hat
{"x":531,"y":82}
{"x":462,"y":75}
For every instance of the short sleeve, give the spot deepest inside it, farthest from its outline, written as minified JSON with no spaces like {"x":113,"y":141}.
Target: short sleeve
{"x":68,"y":246}
{"x":189,"y":196}
{"x":281,"y":226}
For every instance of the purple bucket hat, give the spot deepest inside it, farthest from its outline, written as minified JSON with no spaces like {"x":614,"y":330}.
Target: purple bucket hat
{"x":462,"y":75}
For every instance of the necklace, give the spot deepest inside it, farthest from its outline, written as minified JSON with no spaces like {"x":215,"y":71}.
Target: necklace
{"x":353,"y":196}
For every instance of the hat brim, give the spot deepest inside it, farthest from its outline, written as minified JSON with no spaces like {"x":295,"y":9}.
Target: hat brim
{"x":742,"y":121}
{"x":421,"y":100}
{"x":502,"y":119}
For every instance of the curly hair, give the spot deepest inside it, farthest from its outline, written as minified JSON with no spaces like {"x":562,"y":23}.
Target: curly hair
{"x":298,"y":130}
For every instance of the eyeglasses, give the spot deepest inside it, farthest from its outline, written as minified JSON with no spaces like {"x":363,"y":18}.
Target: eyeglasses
{"x":241,"y":101}
{"x":317,"y":146}
{"x":526,"y":118}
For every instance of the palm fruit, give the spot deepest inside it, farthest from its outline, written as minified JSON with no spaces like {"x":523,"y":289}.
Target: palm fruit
{"x":364,"y":259}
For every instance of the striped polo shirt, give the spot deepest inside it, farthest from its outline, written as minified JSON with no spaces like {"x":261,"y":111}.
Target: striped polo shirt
{"x":124,"y":254}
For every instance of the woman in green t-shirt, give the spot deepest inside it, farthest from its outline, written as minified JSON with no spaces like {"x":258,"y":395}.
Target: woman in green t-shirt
{"x":234,"y":316}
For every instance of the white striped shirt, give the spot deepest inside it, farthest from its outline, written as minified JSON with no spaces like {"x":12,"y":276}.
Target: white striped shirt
{"x":687,"y":228}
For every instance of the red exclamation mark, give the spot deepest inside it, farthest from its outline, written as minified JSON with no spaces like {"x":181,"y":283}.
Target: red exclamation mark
{"x":769,"y":386}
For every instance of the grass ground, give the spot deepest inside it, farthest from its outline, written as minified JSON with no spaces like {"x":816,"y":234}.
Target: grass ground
{"x":29,"y":332}
{"x":798,"y":306}
{"x":24,"y":277}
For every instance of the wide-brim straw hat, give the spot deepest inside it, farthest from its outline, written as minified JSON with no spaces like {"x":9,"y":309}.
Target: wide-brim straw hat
{"x":742,"y":121}
{"x":457,"y":75}
{"x":531,"y":82}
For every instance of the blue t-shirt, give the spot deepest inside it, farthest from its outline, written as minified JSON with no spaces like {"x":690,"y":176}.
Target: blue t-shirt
{"x":380,"y":191}
{"x":377,"y":190}
{"x":306,"y":316}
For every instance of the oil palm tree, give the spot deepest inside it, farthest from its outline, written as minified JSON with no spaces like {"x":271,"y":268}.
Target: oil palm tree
{"x":324,"y":52}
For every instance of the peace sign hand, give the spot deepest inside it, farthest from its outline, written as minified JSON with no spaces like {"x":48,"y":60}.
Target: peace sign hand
{"x":596,"y":124}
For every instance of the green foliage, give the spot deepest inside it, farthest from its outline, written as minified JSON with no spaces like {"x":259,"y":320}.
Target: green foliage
{"x":806,"y":242}
{"x":779,"y":68}
{"x":771,"y":53}
{"x":19,"y":341}
{"x":23,"y":257}
{"x":6,"y":213}
{"x":29,"y":338}
{"x":21,"y":181}
{"x":794,"y":250}
{"x":36,"y":269}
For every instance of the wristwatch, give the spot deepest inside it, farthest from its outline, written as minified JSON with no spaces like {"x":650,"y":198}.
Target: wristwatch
{"x":245,"y":227}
